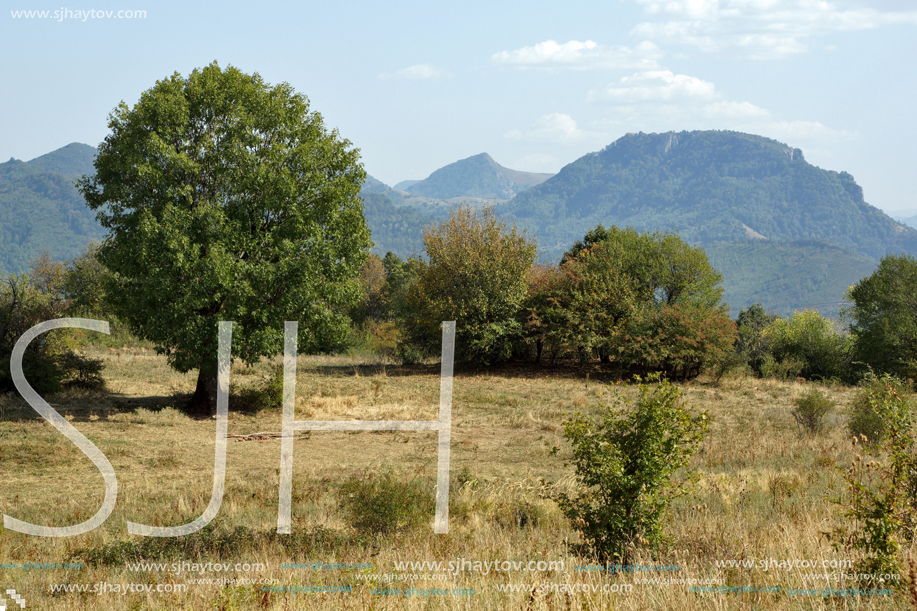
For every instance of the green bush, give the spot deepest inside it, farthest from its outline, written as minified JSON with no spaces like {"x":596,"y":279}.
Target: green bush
{"x":81,"y":371}
{"x":752,"y":345}
{"x":883,"y":317}
{"x":812,"y":340}
{"x":811,"y":409}
{"x":680,"y":342}
{"x":382,"y":504}
{"x":881,"y":501}
{"x":268,"y":394}
{"x":626,"y":465}
{"x":409,"y":353}
{"x":786,"y":369}
{"x":866,"y":410}
{"x":48,"y":362}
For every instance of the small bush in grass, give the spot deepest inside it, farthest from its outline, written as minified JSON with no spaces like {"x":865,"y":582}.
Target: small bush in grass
{"x":380,"y":504}
{"x":786,"y":369}
{"x":267,"y":395}
{"x":625,"y":465}
{"x":811,"y":409}
{"x":409,"y":354}
{"x":876,"y":392}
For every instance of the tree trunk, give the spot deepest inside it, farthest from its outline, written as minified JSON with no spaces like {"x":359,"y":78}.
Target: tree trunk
{"x":204,"y":400}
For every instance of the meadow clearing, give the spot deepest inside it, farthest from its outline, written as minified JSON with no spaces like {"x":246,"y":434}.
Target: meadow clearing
{"x":763,"y":497}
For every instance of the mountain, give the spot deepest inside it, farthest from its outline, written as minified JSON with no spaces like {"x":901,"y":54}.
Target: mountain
{"x":373,"y":185}
{"x":779,"y":230}
{"x":40,"y":209}
{"x":710,"y":187}
{"x":72,"y":161}
{"x":476,"y":177}
{"x":394,"y":228}
{"x":404,"y":184}
{"x":787,"y":276}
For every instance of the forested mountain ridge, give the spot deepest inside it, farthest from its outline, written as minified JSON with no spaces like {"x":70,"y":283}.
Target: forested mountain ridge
{"x":718,"y":189}
{"x":788,"y":276}
{"x":709,"y":186}
{"x":40,"y":209}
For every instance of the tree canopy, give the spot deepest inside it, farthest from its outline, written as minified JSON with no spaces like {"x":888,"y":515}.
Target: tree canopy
{"x":476,"y":276}
{"x":883,"y":317}
{"x":227,"y":199}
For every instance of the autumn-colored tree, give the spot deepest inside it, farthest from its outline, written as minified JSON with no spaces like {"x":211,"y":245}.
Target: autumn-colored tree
{"x":476,"y":276}
{"x":678,"y":341}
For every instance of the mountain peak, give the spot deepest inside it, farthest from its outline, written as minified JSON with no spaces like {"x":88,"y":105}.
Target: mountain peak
{"x":479,"y":177}
{"x":709,"y":186}
{"x":73,"y":160}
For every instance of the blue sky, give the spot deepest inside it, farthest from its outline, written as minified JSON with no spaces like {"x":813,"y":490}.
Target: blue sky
{"x":418,"y":85}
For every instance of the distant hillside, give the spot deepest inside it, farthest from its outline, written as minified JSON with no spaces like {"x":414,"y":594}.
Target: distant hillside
{"x":709,"y":186}
{"x":477,"y":177}
{"x":788,"y":276}
{"x":910,"y":221}
{"x":394,"y":228}
{"x":404,"y":184}
{"x":41,"y":209}
{"x":373,"y":185}
{"x":73,"y":161}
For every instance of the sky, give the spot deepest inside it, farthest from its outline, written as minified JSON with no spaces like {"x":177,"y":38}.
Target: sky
{"x":418,"y":85}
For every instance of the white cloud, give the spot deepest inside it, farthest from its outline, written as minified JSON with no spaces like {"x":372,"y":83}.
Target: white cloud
{"x":806,"y":131}
{"x":660,"y":100}
{"x":556,"y":127}
{"x":759,"y":29}
{"x":734,"y":110}
{"x":655,"y":86}
{"x":580,"y":55}
{"x":418,"y":72}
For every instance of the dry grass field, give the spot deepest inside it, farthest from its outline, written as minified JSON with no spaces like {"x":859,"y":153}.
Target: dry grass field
{"x":763,"y":494}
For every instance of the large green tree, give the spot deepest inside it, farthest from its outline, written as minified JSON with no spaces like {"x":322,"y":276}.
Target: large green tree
{"x":883,"y":317}
{"x":227,"y":199}
{"x":641,"y":302}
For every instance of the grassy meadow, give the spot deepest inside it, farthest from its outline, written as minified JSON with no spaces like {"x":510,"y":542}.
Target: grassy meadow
{"x":764,"y":493}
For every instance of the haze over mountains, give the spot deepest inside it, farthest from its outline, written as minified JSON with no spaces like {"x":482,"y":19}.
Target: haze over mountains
{"x":781,"y":231}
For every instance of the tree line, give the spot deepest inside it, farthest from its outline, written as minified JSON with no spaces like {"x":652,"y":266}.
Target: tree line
{"x":226,"y":198}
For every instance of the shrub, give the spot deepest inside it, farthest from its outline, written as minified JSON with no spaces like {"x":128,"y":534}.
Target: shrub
{"x":881,"y":501}
{"x":752,"y":344}
{"x":811,"y":339}
{"x":678,"y":341}
{"x":786,"y":369}
{"x":48,"y":362}
{"x":625,"y":465}
{"x":409,"y":354}
{"x":641,"y":302}
{"x":875,"y":396}
{"x":811,"y":409}
{"x":81,"y":371}
{"x":268,"y":394}
{"x":382,"y":504}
